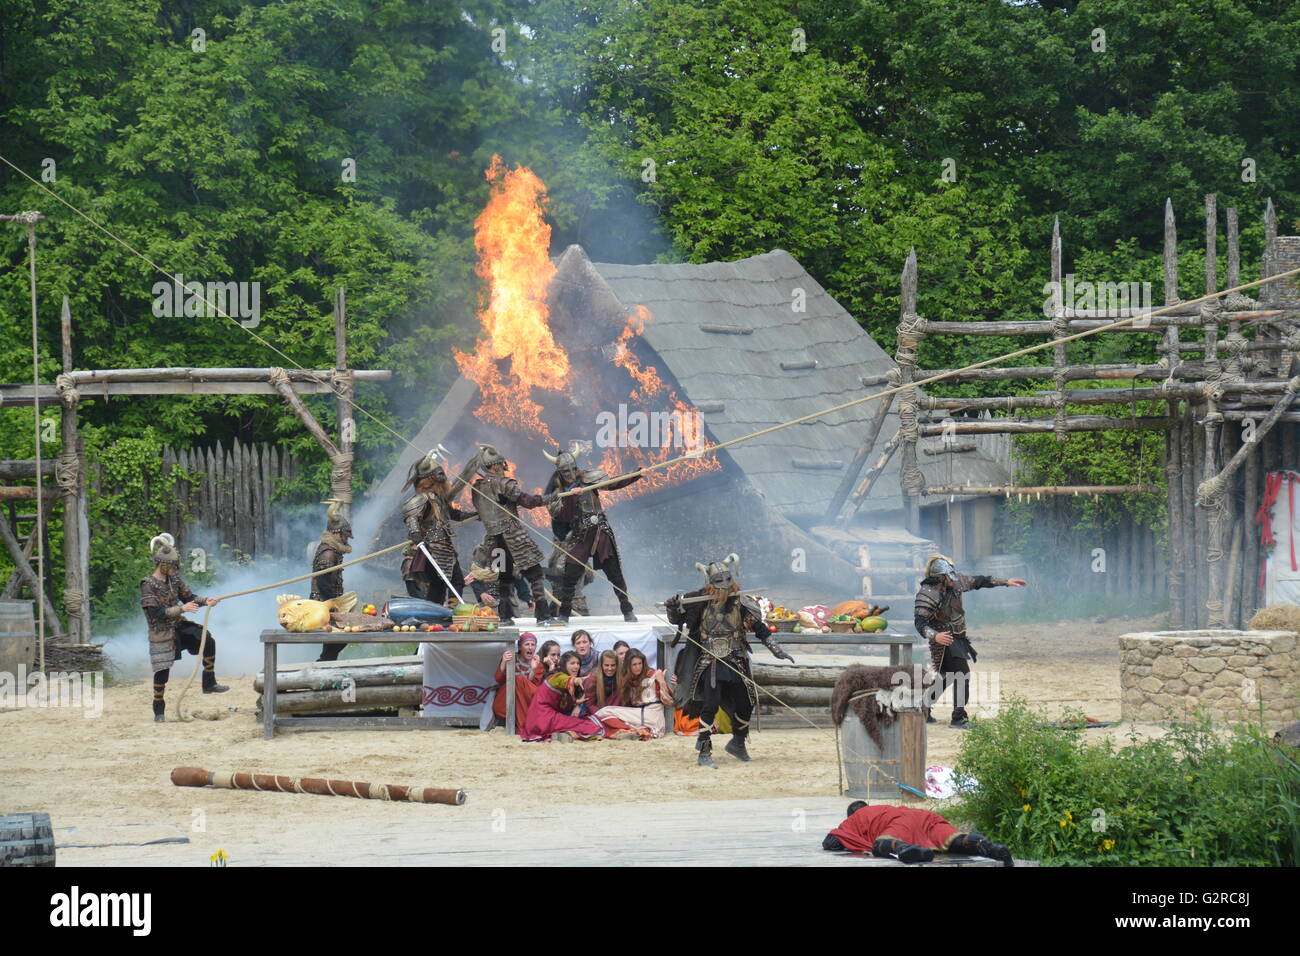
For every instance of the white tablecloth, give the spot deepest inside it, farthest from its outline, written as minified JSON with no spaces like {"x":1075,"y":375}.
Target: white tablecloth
{"x":458,"y":677}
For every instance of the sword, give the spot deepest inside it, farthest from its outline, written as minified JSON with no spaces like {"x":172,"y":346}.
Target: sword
{"x":459,"y":599}
{"x":704,"y":597}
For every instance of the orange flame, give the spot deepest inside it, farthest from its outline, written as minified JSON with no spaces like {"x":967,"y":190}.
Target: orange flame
{"x":519,"y":352}
{"x":513,"y":243}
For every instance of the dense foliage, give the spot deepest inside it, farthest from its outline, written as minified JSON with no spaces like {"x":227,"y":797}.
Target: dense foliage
{"x":1193,"y":797}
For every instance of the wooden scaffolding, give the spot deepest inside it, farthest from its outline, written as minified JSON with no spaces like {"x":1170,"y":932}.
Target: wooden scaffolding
{"x":1230,"y":399}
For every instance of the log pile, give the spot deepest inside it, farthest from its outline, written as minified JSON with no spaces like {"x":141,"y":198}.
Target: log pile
{"x":389,"y":683}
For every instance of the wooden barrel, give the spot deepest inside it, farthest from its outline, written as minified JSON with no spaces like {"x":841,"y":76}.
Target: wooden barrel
{"x":871,"y":772}
{"x":17,"y":636}
{"x":26,"y":839}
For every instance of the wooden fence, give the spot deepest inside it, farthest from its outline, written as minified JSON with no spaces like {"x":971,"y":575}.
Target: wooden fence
{"x":232,"y":497}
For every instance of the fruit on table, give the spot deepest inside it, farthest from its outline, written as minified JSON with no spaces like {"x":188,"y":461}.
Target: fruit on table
{"x":874,"y":624}
{"x":369,"y":609}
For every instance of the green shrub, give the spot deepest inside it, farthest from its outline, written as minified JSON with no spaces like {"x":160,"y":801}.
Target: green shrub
{"x":1198,"y":796}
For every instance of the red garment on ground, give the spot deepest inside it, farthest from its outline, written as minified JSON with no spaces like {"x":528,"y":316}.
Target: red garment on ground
{"x":545,"y":718}
{"x":525,"y":688}
{"x":869,"y":824}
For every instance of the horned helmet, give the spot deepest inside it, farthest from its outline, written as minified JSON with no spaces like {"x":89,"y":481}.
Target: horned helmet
{"x":489,"y":457}
{"x":566,"y":464}
{"x":335,"y":520}
{"x":162,"y":550}
{"x":430,"y":466}
{"x":941,"y":565}
{"x":720,"y":574}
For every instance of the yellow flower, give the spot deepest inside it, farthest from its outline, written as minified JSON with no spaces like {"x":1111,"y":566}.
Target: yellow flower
{"x":1107,"y":845}
{"x":1067,"y":820}
{"x":1026,"y":808}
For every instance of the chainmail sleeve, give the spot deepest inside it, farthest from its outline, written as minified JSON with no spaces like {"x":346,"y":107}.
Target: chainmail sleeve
{"x":924,"y":611}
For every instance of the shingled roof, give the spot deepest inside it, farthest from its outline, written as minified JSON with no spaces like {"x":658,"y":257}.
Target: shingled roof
{"x":729,"y":333}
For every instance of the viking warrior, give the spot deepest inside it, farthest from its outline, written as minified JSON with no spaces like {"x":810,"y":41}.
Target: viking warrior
{"x":941,"y":620}
{"x":428,"y":515}
{"x":907,"y":834}
{"x":580,"y":521}
{"x":164,"y":596}
{"x":712,"y":670}
{"x":498,"y":499}
{"x":329,"y":553}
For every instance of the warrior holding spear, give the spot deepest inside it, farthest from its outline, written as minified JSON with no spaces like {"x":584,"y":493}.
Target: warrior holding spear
{"x":431,"y":568}
{"x":587,"y":535}
{"x":498,"y":498}
{"x":712,"y":671}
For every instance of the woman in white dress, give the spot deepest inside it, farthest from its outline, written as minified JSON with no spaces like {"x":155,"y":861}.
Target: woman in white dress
{"x":642,"y":693}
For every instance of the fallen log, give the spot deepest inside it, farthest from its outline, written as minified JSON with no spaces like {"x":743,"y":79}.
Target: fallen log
{"x":325,"y":676}
{"x":795,"y":675}
{"x":345,"y":701}
{"x":797,"y":697}
{"x":328,"y":680}
{"x":197,"y":777}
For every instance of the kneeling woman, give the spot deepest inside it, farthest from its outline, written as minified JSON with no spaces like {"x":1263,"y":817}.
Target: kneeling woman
{"x":643,"y":692}
{"x":553,"y":714}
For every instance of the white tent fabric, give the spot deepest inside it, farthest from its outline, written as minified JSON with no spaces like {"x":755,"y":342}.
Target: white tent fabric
{"x":458,"y":676}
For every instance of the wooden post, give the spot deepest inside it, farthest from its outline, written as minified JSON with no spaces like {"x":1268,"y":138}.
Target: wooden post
{"x":28,"y":573}
{"x":269,"y":689}
{"x":859,"y":459}
{"x":1234,"y":249}
{"x":346,"y":384}
{"x":1211,"y":243}
{"x":70,"y":476}
{"x":1171,"y":278}
{"x":1060,"y":328}
{"x":341,"y":470}
{"x":910,"y":332}
{"x":1187,"y":485}
{"x":1174,"y":506}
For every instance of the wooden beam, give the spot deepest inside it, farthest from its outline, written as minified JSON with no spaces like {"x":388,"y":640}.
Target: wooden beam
{"x":1081,"y":423}
{"x":24,"y":569}
{"x":1008,"y":490}
{"x":12,"y":469}
{"x":859,"y":459}
{"x":27,"y":493}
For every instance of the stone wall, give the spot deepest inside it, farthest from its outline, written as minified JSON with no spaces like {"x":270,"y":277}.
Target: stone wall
{"x":1228,"y":674}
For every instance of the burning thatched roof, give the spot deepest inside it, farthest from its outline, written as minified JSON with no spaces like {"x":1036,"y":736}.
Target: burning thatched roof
{"x":730,"y":334}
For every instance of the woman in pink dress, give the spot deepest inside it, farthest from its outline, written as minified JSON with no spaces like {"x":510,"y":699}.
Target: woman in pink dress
{"x":553,"y":714}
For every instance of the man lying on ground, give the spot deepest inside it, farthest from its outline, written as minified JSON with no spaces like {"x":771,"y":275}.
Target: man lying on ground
{"x":907,"y":834}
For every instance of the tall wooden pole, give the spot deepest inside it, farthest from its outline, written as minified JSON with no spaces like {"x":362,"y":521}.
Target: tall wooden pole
{"x":1179,"y":547}
{"x":346,"y":394}
{"x":70,"y":474}
{"x":911,"y":329}
{"x":1060,"y":328}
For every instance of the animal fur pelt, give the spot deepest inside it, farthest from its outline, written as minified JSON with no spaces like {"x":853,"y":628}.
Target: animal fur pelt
{"x":858,"y":679}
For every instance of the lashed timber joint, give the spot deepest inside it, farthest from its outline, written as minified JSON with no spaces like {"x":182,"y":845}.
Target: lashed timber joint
{"x":340,"y":461}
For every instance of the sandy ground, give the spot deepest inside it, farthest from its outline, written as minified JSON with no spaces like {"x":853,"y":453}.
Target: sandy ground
{"x":105,"y":780}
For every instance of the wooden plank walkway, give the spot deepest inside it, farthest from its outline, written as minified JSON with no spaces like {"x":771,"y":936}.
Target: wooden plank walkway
{"x":776,"y":832}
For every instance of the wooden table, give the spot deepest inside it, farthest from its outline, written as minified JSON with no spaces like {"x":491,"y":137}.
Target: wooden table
{"x":506,"y":637}
{"x":272,"y":639}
